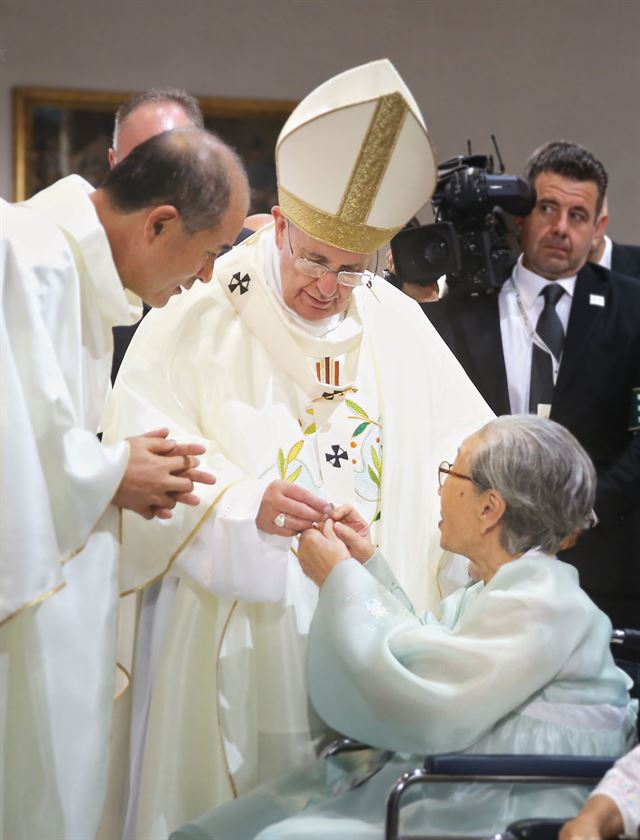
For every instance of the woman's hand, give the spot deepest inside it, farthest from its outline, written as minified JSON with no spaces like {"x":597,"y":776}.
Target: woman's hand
{"x":352,"y":529}
{"x":319,"y":550}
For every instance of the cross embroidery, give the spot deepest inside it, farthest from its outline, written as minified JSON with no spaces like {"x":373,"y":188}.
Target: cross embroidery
{"x":241,"y":283}
{"x":337,"y":455}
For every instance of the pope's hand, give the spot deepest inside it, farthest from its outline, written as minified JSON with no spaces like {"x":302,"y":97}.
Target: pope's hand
{"x":160,"y":473}
{"x":300,"y":509}
{"x":319,"y":550}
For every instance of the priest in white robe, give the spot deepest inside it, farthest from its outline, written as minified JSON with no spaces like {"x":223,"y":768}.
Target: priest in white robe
{"x":519,"y":661}
{"x":312,"y":383}
{"x":73,"y":263}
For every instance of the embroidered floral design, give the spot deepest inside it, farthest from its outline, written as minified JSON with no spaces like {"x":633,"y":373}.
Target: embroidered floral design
{"x":376,"y":608}
{"x":285,"y":463}
{"x":361,"y":414}
{"x":312,"y":427}
{"x":372,"y":464}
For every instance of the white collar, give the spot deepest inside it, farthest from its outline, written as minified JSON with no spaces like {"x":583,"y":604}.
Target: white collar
{"x":68,"y":205}
{"x":529,"y":284}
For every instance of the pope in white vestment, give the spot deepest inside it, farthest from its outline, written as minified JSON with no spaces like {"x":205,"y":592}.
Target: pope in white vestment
{"x":350,"y":395}
{"x":61,"y":296}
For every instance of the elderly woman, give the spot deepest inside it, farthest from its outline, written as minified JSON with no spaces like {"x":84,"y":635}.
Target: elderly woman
{"x":518,"y":662}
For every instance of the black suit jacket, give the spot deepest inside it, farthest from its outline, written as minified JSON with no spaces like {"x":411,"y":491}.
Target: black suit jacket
{"x":599,"y":370}
{"x":625,"y":259}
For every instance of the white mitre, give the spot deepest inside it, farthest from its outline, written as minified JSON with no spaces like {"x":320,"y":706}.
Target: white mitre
{"x":355,"y":160}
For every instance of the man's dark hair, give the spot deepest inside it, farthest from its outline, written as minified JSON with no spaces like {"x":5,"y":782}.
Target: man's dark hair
{"x":571,"y":161}
{"x":187,"y":168}
{"x":188,"y":103}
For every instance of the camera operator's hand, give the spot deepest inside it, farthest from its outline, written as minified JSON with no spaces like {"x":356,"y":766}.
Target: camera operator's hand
{"x":389,"y":260}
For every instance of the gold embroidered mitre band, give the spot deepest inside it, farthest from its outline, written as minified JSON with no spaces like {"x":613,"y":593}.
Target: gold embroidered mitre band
{"x":355,"y":160}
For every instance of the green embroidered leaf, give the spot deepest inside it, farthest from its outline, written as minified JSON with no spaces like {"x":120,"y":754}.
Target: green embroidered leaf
{"x":355,"y":407}
{"x":294,"y":475}
{"x":309,"y":410}
{"x":360,"y":429}
{"x":374,"y":477}
{"x":376,"y":517}
{"x":281,"y":465}
{"x":294,"y":451}
{"x":310,"y":430}
{"x":376,"y":460}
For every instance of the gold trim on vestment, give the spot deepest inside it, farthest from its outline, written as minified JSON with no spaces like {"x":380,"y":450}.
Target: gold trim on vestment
{"x":332,"y":230}
{"x":232,"y":783}
{"x":373,"y":160}
{"x":34,"y":603}
{"x":71,"y":555}
{"x":183,"y":544}
{"x":123,"y":691}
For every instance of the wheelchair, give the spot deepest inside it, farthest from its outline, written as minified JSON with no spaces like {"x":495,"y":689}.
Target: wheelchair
{"x":497,"y":769}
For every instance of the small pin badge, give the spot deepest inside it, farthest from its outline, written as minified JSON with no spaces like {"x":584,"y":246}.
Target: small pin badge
{"x":596,"y":300}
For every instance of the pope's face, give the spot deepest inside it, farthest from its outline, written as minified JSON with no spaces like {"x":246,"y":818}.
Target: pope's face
{"x":313,"y":298}
{"x":558,"y":234}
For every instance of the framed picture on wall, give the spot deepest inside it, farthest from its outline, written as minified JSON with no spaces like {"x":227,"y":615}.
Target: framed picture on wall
{"x":59,"y":132}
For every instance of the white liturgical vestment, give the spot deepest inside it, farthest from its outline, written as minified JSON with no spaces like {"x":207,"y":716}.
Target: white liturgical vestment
{"x":362,"y":415}
{"x":59,"y":543}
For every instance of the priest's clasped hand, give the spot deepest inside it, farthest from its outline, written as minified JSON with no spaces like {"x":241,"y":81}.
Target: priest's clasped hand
{"x":160,"y":473}
{"x":296,"y":508}
{"x":342,"y":536}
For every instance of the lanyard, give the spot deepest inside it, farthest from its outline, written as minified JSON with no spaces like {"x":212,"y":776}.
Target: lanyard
{"x":533,"y":335}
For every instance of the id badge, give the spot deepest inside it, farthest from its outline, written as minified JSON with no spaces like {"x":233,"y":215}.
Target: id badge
{"x":544,"y":410}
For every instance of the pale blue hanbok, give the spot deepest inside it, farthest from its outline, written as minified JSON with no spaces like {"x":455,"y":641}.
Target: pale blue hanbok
{"x":519,"y":665}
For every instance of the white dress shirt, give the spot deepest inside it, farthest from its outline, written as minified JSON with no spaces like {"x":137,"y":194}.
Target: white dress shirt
{"x":517,"y":334}
{"x":605,"y":259}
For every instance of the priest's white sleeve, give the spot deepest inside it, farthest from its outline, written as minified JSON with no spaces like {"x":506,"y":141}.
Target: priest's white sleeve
{"x":230,"y":556}
{"x":57,"y":478}
{"x":383,"y":676}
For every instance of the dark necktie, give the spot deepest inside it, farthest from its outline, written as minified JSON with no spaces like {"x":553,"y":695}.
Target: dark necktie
{"x":549,"y":328}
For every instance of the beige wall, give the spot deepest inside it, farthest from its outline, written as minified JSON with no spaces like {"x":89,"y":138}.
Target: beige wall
{"x":528,"y":70}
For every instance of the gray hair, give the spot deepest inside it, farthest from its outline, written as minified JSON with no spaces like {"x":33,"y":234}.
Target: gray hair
{"x":175,"y":96}
{"x":545,"y":477}
{"x":188,"y":168}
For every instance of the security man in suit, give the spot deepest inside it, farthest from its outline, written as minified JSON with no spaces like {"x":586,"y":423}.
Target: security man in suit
{"x":623,"y":259}
{"x":562,"y":339}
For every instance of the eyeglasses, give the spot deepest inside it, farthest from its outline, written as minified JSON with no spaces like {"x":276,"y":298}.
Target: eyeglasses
{"x":445,"y":469}
{"x":310,"y":268}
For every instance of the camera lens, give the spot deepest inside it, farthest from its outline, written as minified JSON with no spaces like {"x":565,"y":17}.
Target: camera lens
{"x":436,"y":253}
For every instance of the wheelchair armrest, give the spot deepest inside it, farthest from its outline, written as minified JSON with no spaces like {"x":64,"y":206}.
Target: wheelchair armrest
{"x":628,"y":637}
{"x":520,"y":765}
